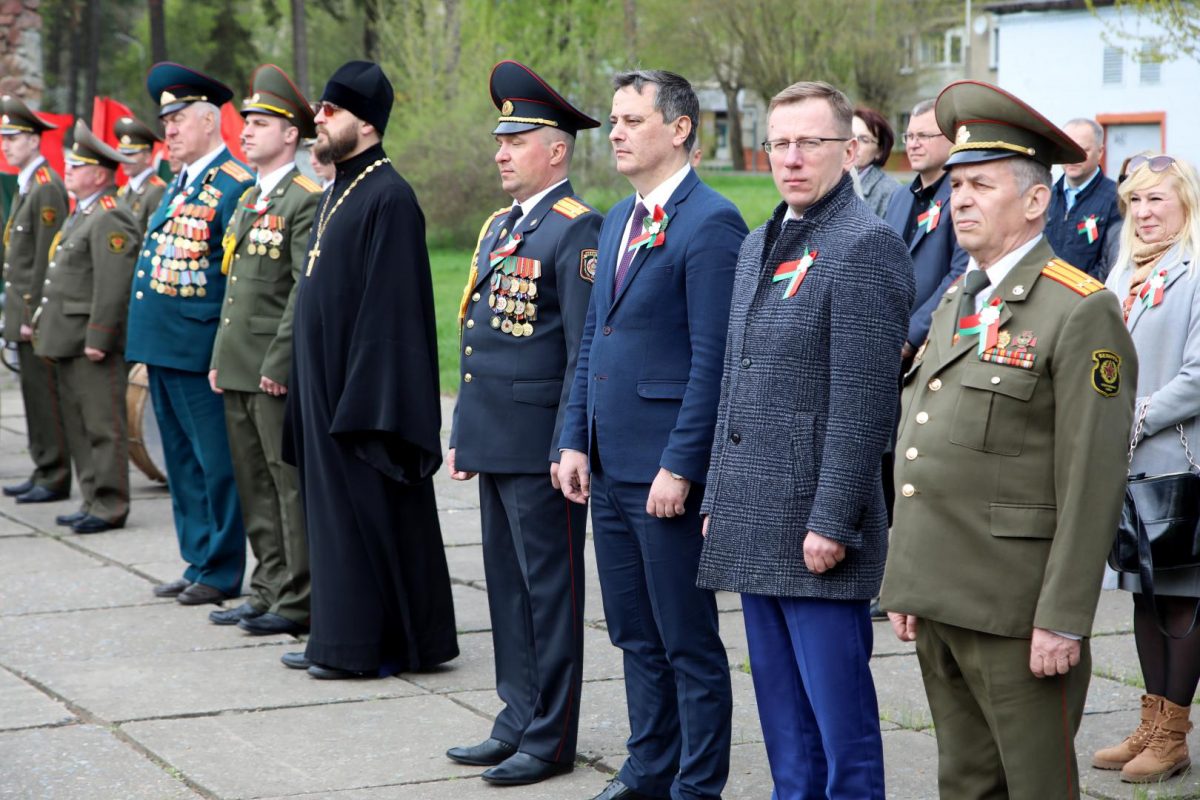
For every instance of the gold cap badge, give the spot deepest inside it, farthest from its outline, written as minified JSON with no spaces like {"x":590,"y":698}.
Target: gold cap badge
{"x":506,"y":108}
{"x":963,"y":136}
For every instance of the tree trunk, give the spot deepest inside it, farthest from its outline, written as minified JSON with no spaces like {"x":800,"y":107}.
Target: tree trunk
{"x":158,"y":31}
{"x":737,"y":150}
{"x":92,"y":11}
{"x":631,"y":27}
{"x":300,"y":47}
{"x":370,"y":29}
{"x":75,"y":36}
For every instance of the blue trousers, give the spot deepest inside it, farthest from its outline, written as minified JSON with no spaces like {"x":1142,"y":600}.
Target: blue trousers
{"x":204,"y":498}
{"x":676,"y":669}
{"x":816,"y":698}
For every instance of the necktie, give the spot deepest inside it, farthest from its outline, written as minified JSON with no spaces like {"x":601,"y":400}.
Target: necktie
{"x":974,"y":282}
{"x":510,"y":223}
{"x":635,"y":228}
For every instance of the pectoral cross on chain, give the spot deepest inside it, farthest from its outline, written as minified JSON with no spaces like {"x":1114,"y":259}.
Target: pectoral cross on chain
{"x":313,"y":255}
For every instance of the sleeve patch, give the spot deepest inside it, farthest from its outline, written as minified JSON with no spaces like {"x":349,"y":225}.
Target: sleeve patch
{"x":49,"y":216}
{"x":1106,"y":373}
{"x":571,"y":208}
{"x":117,"y":242}
{"x":587,"y":265}
{"x":308,"y":184}
{"x":236,"y":171}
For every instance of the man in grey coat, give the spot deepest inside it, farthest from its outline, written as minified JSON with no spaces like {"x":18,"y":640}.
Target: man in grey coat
{"x":795,"y":515}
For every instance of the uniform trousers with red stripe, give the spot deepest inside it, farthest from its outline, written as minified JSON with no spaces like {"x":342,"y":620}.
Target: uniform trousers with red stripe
{"x":1002,"y":733}
{"x":533,"y":563}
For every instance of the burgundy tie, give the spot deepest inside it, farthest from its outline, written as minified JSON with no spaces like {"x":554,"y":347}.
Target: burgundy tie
{"x":635,"y":229}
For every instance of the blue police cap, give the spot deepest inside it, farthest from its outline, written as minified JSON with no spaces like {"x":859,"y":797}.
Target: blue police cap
{"x":526,"y":102}
{"x":174,"y":86}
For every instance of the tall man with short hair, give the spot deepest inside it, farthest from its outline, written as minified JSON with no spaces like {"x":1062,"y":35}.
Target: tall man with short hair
{"x":35,"y":218}
{"x":1084,"y":221}
{"x":638,"y":433}
{"x":1014,"y":431}
{"x":363,"y":410}
{"x":143,"y":190}
{"x":265,"y":247}
{"x":178,"y":292}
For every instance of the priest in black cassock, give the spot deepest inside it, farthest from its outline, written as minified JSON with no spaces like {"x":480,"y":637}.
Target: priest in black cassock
{"x":363,"y":413}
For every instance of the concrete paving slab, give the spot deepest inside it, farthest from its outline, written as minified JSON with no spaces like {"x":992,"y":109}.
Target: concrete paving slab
{"x":583,"y":782}
{"x":471,"y":609}
{"x":27,"y":707}
{"x":460,"y":526}
{"x":1104,"y":730}
{"x":1115,"y":657}
{"x":132,"y":545}
{"x":910,"y":765}
{"x":27,"y":555}
{"x":1114,"y":613}
{"x":466,"y":563}
{"x":1106,"y":695}
{"x":900,"y":691}
{"x":317,"y":749}
{"x":139,"y":632}
{"x":12,"y":527}
{"x":71,"y":589}
{"x":81,"y":761}
{"x":171,"y":684}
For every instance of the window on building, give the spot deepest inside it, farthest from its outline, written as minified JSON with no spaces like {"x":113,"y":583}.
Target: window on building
{"x":1149,"y":66}
{"x":906,"y":55}
{"x":994,"y":48}
{"x":1114,"y":63}
{"x":940,"y":48}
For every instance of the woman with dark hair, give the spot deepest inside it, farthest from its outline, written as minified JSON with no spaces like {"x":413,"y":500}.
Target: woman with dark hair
{"x":875,"y":140}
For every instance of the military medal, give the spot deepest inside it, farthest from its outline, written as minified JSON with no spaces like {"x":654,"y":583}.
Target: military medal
{"x":1153,"y":289}
{"x":505,"y":250}
{"x":654,"y":229}
{"x":794,"y":272}
{"x":930,"y":218}
{"x":986,"y":324}
{"x":1089,"y":229}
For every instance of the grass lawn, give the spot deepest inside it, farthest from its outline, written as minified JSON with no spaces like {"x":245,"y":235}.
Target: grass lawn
{"x":754,"y":195}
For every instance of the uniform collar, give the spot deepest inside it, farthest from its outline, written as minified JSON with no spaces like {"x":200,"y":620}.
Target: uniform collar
{"x":531,"y":203}
{"x":999,"y":271}
{"x":26,"y":173}
{"x":198,"y":166}
{"x":83,"y":205}
{"x":136,"y":181}
{"x":269,"y":181}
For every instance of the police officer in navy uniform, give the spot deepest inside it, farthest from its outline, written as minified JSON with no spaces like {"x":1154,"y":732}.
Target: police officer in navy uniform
{"x":178,"y":288}
{"x":522,"y":318}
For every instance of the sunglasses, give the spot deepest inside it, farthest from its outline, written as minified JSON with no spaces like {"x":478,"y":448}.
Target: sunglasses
{"x":328,"y":108}
{"x":1156,"y":163}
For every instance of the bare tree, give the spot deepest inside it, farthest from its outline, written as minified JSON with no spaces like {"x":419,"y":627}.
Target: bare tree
{"x":158,"y":31}
{"x":300,"y":45}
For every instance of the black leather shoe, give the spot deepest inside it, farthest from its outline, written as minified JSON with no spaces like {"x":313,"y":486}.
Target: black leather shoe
{"x":323,"y":673}
{"x":484,"y":754}
{"x":268,"y":624}
{"x":619,"y":791}
{"x":91,"y":524}
{"x":171,"y":589}
{"x":199,"y":593}
{"x":521,"y":769}
{"x":295,"y":661}
{"x":40,"y":494}
{"x":16,"y":489}
{"x":69,"y":519}
{"x":232,"y":616}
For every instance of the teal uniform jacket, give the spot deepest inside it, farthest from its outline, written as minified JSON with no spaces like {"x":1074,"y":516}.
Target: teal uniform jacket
{"x":178,"y":286}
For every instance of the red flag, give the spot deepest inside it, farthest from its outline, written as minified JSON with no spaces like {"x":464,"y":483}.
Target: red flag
{"x":52,"y":142}
{"x":105,"y":113}
{"x":231,"y":131}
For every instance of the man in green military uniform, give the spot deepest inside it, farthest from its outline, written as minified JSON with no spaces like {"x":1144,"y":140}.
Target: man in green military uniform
{"x":144,"y":190}
{"x":36,"y":216}
{"x":265,"y":247}
{"x":1010,"y":467}
{"x":80,"y":327}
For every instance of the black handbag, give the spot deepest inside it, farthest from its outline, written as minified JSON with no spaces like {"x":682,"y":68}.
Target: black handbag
{"x":1159,"y":529}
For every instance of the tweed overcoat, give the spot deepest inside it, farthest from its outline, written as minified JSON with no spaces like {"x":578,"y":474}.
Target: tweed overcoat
{"x":808,"y":402}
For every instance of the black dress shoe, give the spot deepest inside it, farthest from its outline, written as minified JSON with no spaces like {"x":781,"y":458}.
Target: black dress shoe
{"x":69,"y":519}
{"x":171,"y":589}
{"x":324,"y":673}
{"x":40,"y":494}
{"x":91,"y":524}
{"x":200,"y":593}
{"x":269,"y":624}
{"x":484,"y":754}
{"x":232,"y":616}
{"x":619,"y":791}
{"x":295,"y":661}
{"x":521,"y":769}
{"x":15,"y":489}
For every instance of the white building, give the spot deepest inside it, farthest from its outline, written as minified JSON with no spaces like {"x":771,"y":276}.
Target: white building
{"x":1065,"y":61}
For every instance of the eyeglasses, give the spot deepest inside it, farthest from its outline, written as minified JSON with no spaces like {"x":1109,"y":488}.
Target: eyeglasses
{"x":920,"y":137}
{"x":807,"y":145}
{"x":327,"y":108}
{"x":864,"y":139}
{"x":1157,"y":163}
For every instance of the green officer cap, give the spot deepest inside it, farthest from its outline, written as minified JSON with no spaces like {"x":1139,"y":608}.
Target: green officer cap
{"x":987,"y":123}
{"x":15,"y":117}
{"x":133,"y":135}
{"x":274,"y":93}
{"x":88,"y":149}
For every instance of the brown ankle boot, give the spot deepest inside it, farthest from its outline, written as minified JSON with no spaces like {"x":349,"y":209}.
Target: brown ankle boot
{"x":1119,"y":755}
{"x":1166,"y":754}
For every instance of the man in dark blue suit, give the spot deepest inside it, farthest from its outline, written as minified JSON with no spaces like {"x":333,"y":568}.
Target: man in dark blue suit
{"x":638,"y":433}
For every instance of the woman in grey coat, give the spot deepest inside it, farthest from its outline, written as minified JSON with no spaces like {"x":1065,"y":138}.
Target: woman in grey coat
{"x":875,"y":140}
{"x":1155,"y":277}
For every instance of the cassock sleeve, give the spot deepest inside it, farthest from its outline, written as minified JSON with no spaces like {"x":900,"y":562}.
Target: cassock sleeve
{"x":389,"y":410}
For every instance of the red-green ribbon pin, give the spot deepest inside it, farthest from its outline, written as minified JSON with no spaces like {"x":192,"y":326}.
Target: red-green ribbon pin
{"x":1152,"y":290}
{"x":794,"y":272}
{"x":930,"y":218}
{"x":653,"y":231}
{"x":505,"y":250}
{"x":986,"y":323}
{"x":1089,"y":229}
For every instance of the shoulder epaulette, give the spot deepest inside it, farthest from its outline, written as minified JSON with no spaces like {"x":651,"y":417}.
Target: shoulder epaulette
{"x":571,"y":208}
{"x":42,"y":175}
{"x":308,"y":184}
{"x":157,"y":181}
{"x":236,"y":171}
{"x":1074,"y":279}
{"x":108,"y":202}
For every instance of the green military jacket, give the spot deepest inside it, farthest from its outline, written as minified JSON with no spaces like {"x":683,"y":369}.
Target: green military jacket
{"x":36,"y":217}
{"x":85,"y":298}
{"x":265,"y":248}
{"x":143,"y":201}
{"x":1011,"y":462}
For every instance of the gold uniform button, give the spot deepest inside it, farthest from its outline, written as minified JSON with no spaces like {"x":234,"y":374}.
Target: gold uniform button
{"x":231,"y":301}
{"x":922,"y":417}
{"x":227,"y":320}
{"x":468,"y":351}
{"x":475,"y":297}
{"x":234,"y":278}
{"x":935,"y":384}
{"x":911,"y":454}
{"x":470,"y":323}
{"x":995,"y":379}
{"x":908,"y":490}
{"x":139,"y":295}
{"x":141,"y":273}
{"x":467,"y":378}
